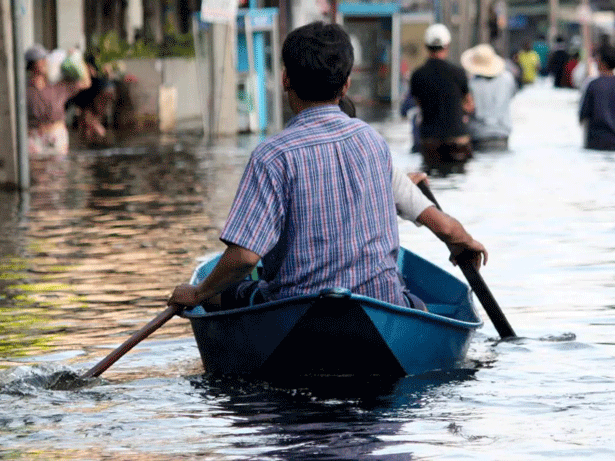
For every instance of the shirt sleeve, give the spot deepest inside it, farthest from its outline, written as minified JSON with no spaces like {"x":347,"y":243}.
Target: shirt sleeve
{"x":414,"y":86}
{"x":585,"y":111}
{"x":257,"y":215}
{"x":410,"y":202}
{"x":463,"y":82}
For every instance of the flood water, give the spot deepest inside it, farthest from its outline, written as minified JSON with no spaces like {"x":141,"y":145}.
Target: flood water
{"x":92,"y":252}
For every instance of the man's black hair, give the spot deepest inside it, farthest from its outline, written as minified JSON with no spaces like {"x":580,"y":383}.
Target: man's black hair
{"x":318,"y":58}
{"x":606,"y":54}
{"x":434,"y":49}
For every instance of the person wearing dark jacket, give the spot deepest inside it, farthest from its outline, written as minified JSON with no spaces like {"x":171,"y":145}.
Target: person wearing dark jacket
{"x":557,"y":62}
{"x":597,"y":111}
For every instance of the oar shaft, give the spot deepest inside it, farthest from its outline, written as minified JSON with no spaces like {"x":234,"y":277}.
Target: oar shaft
{"x":476,"y":282}
{"x":131,"y":342}
{"x":485,"y":297}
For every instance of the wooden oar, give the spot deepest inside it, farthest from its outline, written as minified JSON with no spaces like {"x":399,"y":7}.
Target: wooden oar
{"x":131,"y":342}
{"x":464,"y":260}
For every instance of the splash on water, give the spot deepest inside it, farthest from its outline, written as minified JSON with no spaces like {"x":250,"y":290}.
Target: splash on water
{"x":32,"y":380}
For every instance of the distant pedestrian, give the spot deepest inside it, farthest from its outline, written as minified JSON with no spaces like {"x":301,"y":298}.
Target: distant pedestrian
{"x":557,"y":61}
{"x":409,"y":108}
{"x":492,"y":87}
{"x":45,"y":101}
{"x":441,"y":91}
{"x":529,"y":61}
{"x":597,"y":110}
{"x":541,"y":47}
{"x":573,"y":61}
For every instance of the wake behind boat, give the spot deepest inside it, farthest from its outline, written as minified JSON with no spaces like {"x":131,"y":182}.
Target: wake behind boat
{"x":335,"y":332}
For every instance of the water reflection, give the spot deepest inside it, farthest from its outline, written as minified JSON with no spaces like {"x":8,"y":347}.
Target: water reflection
{"x":102,"y":239}
{"x":324,"y":418}
{"x":88,"y":256}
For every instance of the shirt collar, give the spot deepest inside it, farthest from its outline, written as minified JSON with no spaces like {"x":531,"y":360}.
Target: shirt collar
{"x":313,"y":113}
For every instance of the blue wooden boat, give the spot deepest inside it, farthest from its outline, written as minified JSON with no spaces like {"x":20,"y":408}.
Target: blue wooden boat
{"x":336,"y":333}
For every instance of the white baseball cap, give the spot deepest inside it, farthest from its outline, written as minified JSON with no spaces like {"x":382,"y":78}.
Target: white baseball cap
{"x":437,"y":35}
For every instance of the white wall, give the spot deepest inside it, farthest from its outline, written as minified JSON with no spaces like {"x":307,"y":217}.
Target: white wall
{"x":134,"y":18}
{"x":71,"y":27}
{"x":304,"y":12}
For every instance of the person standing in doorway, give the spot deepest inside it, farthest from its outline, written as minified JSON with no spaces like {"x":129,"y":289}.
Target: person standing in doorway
{"x":441,"y":91}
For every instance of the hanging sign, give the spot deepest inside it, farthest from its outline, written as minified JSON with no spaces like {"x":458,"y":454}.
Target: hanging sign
{"x":218,"y":10}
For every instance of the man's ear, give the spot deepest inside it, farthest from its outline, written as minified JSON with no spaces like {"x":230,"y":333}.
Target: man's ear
{"x":345,"y":87}
{"x":285,"y":81}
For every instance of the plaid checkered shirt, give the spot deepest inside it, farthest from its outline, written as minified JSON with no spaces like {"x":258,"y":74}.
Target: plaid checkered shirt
{"x":316,"y":203}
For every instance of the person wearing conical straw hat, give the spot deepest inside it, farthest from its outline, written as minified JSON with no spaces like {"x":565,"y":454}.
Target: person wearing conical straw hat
{"x":492,"y":87}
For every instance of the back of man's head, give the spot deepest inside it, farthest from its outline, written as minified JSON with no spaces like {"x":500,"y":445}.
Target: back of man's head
{"x":606,"y":54}
{"x":318,"y":59}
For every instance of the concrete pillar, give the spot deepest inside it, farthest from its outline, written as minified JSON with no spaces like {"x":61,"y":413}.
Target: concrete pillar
{"x":71,"y":25}
{"x":9,"y":174}
{"x":29,"y":32}
{"x":553,"y":21}
{"x":134,"y":18}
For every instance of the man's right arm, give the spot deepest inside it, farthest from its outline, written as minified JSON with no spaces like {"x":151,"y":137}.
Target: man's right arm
{"x":451,"y":232}
{"x":234,"y":266}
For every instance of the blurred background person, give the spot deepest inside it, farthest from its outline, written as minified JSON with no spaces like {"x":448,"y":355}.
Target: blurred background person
{"x":541,"y":47}
{"x":597,"y":110}
{"x":45,"y":101}
{"x":492,"y":87}
{"x":529,"y":62}
{"x":573,"y":61}
{"x":94,"y":104}
{"x":441,"y":91}
{"x":557,"y":61}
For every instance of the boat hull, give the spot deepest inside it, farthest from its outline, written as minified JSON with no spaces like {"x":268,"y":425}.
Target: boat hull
{"x":338,"y":333}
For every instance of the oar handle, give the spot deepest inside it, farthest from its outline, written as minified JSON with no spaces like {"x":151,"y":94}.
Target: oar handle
{"x":131,"y":342}
{"x":478,"y":285}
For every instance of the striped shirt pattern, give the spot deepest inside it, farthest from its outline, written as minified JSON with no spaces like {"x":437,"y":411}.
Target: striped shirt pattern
{"x":316,"y":203}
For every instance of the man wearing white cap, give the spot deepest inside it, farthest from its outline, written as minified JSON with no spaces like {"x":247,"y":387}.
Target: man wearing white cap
{"x":493,"y":88}
{"x":441,"y":90}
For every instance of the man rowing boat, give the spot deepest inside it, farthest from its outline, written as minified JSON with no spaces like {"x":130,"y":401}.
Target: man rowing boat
{"x":315,"y":203}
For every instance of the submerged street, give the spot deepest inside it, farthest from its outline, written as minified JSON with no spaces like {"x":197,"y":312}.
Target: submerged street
{"x":93,"y":251}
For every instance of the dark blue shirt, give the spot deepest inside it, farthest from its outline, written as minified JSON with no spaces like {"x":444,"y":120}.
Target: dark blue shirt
{"x":598,"y":109}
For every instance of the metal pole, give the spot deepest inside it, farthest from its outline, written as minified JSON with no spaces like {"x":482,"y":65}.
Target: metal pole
{"x":21,"y":124}
{"x":333,"y":11}
{"x":252,"y":76}
{"x":553,"y":21}
{"x":277,"y":76}
{"x":586,"y":18}
{"x":395,"y":63}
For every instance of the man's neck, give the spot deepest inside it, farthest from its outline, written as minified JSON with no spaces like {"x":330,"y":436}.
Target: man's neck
{"x":439,"y":54}
{"x":299,"y":105}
